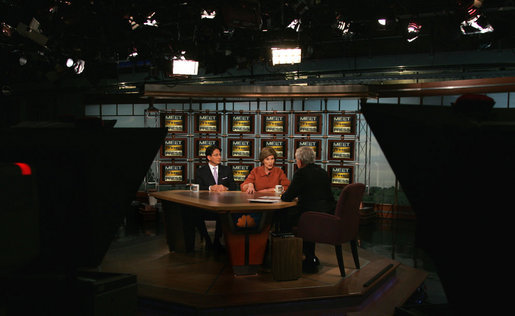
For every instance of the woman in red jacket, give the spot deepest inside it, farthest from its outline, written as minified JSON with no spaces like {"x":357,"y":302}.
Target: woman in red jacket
{"x":265,"y":177}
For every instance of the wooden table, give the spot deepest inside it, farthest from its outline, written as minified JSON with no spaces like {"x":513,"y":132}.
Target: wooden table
{"x":246,"y":224}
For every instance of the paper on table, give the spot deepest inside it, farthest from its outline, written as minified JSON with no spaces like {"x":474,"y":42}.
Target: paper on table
{"x":263,"y":200}
{"x":270,"y":197}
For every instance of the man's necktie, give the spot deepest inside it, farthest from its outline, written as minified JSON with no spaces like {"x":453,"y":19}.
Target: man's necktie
{"x":215,"y":173}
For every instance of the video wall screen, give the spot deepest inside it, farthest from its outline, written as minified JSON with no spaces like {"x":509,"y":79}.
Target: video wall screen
{"x":175,"y":122}
{"x":174,"y":148}
{"x":241,"y":123}
{"x":241,"y":136}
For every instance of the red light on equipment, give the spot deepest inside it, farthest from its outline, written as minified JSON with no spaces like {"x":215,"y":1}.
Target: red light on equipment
{"x":25,"y":169}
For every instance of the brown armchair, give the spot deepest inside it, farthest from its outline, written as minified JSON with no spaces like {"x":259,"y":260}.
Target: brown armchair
{"x":336,"y":229}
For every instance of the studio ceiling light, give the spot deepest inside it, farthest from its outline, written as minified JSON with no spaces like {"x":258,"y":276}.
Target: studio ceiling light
{"x":477,"y":24}
{"x":286,"y":55}
{"x":185,"y":67}
{"x":208,"y":14}
{"x":150,"y":21}
{"x":79,"y":65}
{"x":295,"y":25}
{"x":413,"y":31}
{"x":475,"y":21}
{"x":22,"y":60}
{"x":345,"y":28}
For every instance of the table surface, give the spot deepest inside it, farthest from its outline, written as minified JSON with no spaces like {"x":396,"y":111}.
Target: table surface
{"x":222,"y":202}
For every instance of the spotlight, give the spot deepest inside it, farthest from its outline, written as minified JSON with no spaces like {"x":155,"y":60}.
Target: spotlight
{"x":413,"y":31}
{"x":208,"y":14}
{"x":22,"y":60}
{"x":69,"y":62}
{"x":78,"y":66}
{"x":345,"y":28}
{"x":133,"y":52}
{"x":477,"y":24}
{"x":295,"y":25}
{"x":184,"y":67}
{"x":7,"y":30}
{"x":286,"y":55}
{"x":381,"y":21}
{"x":133,"y":23}
{"x":475,"y":21}
{"x":150,"y":21}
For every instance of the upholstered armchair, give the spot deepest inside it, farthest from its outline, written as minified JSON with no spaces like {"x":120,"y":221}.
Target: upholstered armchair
{"x":336,"y":229}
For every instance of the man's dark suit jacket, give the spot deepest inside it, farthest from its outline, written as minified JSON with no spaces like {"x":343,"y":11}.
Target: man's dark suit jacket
{"x":204,"y":177}
{"x":312,"y":185}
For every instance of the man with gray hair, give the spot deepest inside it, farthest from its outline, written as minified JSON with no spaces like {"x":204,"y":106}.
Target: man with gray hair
{"x":312,"y":186}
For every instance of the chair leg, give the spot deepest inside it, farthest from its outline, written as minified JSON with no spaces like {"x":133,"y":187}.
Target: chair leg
{"x":339,"y":257}
{"x":354,"y":249}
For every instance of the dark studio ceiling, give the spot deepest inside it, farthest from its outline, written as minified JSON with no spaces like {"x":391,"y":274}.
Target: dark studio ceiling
{"x":237,"y":41}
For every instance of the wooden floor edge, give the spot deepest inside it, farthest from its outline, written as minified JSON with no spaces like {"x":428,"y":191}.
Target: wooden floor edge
{"x":312,"y":295}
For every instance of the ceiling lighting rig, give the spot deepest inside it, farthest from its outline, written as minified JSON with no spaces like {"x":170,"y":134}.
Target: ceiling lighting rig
{"x":413,"y":31}
{"x":237,"y":34}
{"x":475,"y":21}
{"x":286,"y":56}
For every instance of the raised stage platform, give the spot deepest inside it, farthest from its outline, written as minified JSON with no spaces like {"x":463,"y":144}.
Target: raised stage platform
{"x":202,"y":283}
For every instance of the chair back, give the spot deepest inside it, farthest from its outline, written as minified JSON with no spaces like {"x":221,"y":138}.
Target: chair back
{"x":347,"y":208}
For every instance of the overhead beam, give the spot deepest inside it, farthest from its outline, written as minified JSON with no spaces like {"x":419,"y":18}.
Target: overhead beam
{"x":196,"y":91}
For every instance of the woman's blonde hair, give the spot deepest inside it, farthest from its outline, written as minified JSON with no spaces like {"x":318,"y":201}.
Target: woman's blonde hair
{"x":267,"y":151}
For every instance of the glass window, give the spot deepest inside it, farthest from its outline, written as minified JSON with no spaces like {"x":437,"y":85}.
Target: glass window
{"x":434,"y":100}
{"x":389,"y":100}
{"x":92,"y":110}
{"x":127,"y":121}
{"x":313,"y":105}
{"x":349,"y":104}
{"x":333,"y":104}
{"x":160,"y":106}
{"x":448,"y":100}
{"x":125,"y":109}
{"x":139,"y":109}
{"x":410,"y":101}
{"x":275,"y":105}
{"x":108,"y":109}
{"x":501,"y":99}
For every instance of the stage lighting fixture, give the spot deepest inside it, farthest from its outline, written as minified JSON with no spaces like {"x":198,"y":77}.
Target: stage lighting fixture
{"x":207,"y":14}
{"x":344,"y":28}
{"x":184,"y":67}
{"x":7,"y":30}
{"x":150,"y":21}
{"x":22,"y":60}
{"x":78,"y":66}
{"x":381,"y":21}
{"x":133,"y":23}
{"x":286,"y":55}
{"x":295,"y":25}
{"x":69,"y":62}
{"x":476,"y":24}
{"x":413,"y":31}
{"x":475,"y":21}
{"x":133,"y":53}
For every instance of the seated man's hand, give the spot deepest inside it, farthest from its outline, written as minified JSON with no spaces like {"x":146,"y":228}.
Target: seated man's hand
{"x":218,"y":188}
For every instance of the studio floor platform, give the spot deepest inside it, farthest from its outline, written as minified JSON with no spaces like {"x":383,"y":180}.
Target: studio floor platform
{"x":201,"y":283}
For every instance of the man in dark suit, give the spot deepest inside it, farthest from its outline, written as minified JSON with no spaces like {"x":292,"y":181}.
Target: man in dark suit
{"x":205,"y":177}
{"x":312,"y":186}
{"x":214,"y":177}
